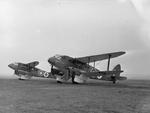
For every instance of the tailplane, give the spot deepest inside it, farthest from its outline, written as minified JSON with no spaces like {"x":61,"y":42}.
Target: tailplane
{"x":116,"y":75}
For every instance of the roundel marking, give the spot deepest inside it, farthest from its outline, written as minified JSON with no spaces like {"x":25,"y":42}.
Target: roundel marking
{"x":46,"y":74}
{"x":99,"y":77}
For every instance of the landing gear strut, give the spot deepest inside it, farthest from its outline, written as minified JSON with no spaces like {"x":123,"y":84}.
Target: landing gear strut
{"x":59,"y":82}
{"x":73,"y":77}
{"x":113,"y":78}
{"x":114,"y":81}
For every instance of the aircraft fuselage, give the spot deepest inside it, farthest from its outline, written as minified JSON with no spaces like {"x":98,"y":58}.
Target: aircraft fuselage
{"x":23,"y":70}
{"x":65,"y":62}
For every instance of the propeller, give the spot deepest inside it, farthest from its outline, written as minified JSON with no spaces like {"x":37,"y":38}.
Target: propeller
{"x":73,"y":77}
{"x":52,"y":70}
{"x":72,"y":74}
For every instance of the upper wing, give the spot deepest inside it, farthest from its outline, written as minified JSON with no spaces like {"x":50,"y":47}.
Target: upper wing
{"x":94,"y":58}
{"x":33,"y":64}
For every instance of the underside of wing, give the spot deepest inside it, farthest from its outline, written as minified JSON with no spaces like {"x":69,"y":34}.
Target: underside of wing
{"x":95,"y":58}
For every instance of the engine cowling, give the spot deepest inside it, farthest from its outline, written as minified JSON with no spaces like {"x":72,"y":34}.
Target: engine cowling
{"x":56,"y":72}
{"x":23,"y":74}
{"x":59,"y":79}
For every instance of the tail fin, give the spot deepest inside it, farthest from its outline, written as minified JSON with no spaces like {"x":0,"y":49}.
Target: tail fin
{"x":118,"y":69}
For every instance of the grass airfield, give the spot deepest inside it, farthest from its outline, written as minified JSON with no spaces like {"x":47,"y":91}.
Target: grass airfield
{"x":47,"y":96}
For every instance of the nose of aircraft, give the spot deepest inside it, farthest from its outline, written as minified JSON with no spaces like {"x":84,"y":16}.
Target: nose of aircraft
{"x":10,"y":65}
{"x":13,"y":65}
{"x":51,"y":60}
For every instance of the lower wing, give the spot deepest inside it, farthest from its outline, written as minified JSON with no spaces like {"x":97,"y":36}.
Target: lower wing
{"x":106,"y":75}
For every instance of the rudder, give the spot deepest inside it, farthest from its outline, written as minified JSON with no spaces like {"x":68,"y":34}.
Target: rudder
{"x":117,"y":68}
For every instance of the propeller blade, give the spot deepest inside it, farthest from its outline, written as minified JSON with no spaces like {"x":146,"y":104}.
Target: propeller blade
{"x":52,"y":69}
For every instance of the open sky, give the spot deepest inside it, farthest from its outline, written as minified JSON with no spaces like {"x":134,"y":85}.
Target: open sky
{"x":38,"y":29}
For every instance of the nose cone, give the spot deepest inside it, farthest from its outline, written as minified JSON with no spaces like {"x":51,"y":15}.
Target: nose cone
{"x":10,"y":65}
{"x":51,"y":60}
{"x":13,"y":65}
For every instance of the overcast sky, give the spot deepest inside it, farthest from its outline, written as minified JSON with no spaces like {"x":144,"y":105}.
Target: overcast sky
{"x":38,"y":29}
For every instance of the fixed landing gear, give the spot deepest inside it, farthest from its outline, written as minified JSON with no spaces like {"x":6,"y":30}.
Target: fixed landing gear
{"x":20,"y":79}
{"x":113,"y":78}
{"x":114,"y":81}
{"x":75,"y":83}
{"x":59,"y":82}
{"x":73,"y":77}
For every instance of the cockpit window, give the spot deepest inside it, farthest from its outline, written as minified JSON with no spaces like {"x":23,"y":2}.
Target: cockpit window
{"x":16,"y":64}
{"x":64,"y":57}
{"x":57,"y":56}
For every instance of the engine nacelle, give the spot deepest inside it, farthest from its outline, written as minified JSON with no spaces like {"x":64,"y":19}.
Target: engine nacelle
{"x":80,"y":79}
{"x":25,"y":77}
{"x":56,"y":72}
{"x":59,"y":78}
{"x":23,"y":74}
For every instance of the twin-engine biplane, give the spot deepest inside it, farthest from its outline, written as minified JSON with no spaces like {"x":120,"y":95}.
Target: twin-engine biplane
{"x":26,"y":71}
{"x":79,"y":70}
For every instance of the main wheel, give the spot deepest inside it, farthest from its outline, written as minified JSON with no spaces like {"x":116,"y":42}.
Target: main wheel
{"x":114,"y":81}
{"x":59,"y":82}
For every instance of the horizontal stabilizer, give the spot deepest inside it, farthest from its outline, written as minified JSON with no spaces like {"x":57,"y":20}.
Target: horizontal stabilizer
{"x":121,"y":78}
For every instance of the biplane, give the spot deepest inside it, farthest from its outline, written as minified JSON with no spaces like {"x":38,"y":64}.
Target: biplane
{"x":28,"y":70}
{"x":64,"y":68}
{"x":79,"y":69}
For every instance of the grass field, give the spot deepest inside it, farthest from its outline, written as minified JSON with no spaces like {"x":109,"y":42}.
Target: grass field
{"x":46,"y":96}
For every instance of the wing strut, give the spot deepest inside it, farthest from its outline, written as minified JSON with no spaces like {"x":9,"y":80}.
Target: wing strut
{"x":108,"y":62}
